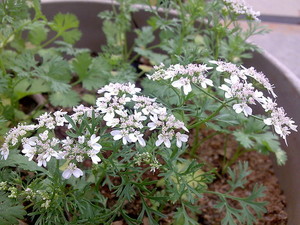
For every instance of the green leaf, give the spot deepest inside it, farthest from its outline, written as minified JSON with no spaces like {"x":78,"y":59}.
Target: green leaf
{"x":111,"y":33}
{"x":238,"y":175}
{"x":10,"y":211}
{"x":17,"y":160}
{"x":258,"y":136}
{"x":249,"y":208}
{"x":30,"y":87}
{"x":91,"y":99}
{"x":71,"y":36}
{"x":244,"y":139}
{"x":81,"y":65}
{"x":155,"y":58}
{"x":160,"y":91}
{"x":68,"y":99}
{"x":145,"y":36}
{"x":38,"y":33}
{"x":99,"y":73}
{"x":56,"y":71}
{"x":63,"y":22}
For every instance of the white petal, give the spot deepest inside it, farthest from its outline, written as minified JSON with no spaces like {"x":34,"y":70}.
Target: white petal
{"x":177,"y":84}
{"x":142,"y":141}
{"x":268,"y":121}
{"x":159,"y":142}
{"x":132,"y":137}
{"x":247,"y":110}
{"x":178,"y":143}
{"x":167,"y":143}
{"x":96,"y":146}
{"x":117,"y":137}
{"x":187,"y":88}
{"x":95,"y":159}
{"x":67,"y":174}
{"x":77,"y":172}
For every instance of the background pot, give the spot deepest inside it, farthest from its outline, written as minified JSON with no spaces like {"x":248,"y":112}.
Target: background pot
{"x":286,"y":83}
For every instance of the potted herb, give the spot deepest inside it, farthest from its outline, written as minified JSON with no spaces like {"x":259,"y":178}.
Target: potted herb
{"x":132,"y":154}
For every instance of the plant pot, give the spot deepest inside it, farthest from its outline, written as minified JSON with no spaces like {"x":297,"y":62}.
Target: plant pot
{"x":287,"y":86}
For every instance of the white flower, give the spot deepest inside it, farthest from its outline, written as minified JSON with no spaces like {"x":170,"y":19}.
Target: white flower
{"x":72,"y":170}
{"x":181,"y":138}
{"x":242,"y":107}
{"x":60,"y":118}
{"x":44,"y":135}
{"x":137,"y":136}
{"x":93,"y":154}
{"x":185,"y":83}
{"x":155,"y":122}
{"x":206,"y":82}
{"x":112,"y":123}
{"x":41,"y":160}
{"x":68,"y":141}
{"x":118,"y":134}
{"x":228,"y":92}
{"x":93,"y":143}
{"x":29,"y":151}
{"x":81,"y":139}
{"x":109,"y":114}
{"x":4,"y":151}
{"x":163,"y":138}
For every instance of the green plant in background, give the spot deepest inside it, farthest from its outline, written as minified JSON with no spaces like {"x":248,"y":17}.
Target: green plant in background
{"x":87,"y":166}
{"x":28,"y":67}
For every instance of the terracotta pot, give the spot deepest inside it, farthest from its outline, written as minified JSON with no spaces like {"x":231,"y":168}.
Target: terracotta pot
{"x":286,"y":83}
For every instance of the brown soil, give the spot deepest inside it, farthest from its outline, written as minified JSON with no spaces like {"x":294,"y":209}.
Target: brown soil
{"x":262,"y":170}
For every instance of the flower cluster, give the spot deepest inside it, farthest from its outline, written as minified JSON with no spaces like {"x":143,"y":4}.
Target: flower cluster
{"x":42,"y":145}
{"x":127,"y":115}
{"x":183,"y":76}
{"x":146,"y":158}
{"x":239,"y":7}
{"x":13,"y":136}
{"x":239,"y":86}
{"x":130,"y":124}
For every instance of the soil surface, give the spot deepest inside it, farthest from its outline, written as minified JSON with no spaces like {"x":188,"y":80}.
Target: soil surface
{"x":262,"y":172}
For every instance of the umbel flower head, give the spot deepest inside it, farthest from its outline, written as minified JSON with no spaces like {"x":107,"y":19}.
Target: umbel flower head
{"x":239,"y":85}
{"x":239,"y":7}
{"x":126,"y":113}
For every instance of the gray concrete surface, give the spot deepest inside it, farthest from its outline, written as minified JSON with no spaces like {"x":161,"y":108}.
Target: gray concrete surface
{"x":284,"y":39}
{"x":284,"y":43}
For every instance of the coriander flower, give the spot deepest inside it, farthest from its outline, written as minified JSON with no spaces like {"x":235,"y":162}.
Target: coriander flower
{"x":164,"y":138}
{"x":72,"y":170}
{"x":181,"y":138}
{"x":121,"y":134}
{"x":183,"y":76}
{"x":93,"y":143}
{"x":242,"y":107}
{"x":185,"y":83}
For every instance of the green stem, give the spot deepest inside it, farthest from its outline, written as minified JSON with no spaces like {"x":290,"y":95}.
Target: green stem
{"x":28,"y":206}
{"x":1,"y":63}
{"x":195,"y":143}
{"x":50,"y":41}
{"x":225,"y":152}
{"x":233,"y":159}
{"x":211,"y":116}
{"x":223,"y":195}
{"x":208,"y":94}
{"x":76,"y":82}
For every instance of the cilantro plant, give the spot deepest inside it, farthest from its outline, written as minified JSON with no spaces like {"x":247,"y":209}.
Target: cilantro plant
{"x":89,"y":165}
